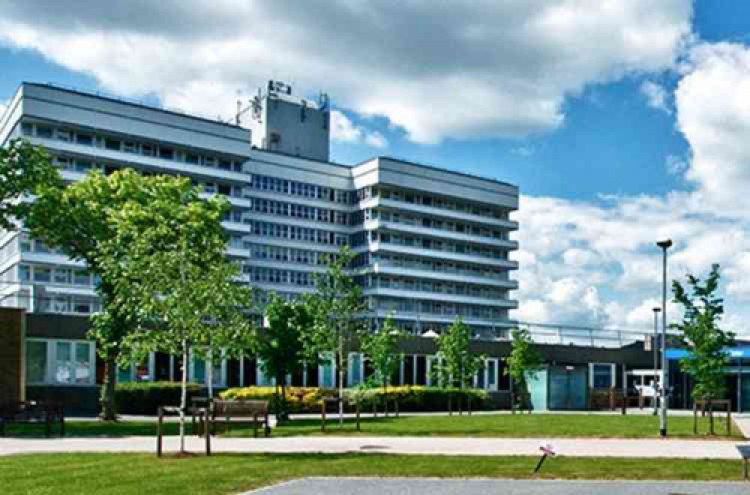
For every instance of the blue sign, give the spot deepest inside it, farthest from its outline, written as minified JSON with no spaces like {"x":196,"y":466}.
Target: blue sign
{"x":733,"y":352}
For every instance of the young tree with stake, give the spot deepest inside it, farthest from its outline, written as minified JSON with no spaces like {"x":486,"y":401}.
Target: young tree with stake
{"x":280,"y":345}
{"x":708,"y":359}
{"x":381,"y":348}
{"x":175,"y":273}
{"x":523,"y":363}
{"x":457,"y":365}
{"x":338,"y":308}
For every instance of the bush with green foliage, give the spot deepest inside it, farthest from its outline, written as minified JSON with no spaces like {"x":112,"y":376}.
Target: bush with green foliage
{"x":410,"y":398}
{"x":146,"y":397}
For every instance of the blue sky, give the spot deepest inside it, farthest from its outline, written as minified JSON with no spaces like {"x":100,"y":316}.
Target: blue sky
{"x":621,"y":123}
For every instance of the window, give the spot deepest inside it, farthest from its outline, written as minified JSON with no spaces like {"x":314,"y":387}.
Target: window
{"x":85,"y":139}
{"x":112,"y":144}
{"x":191,"y":158}
{"x":36,"y":361}
{"x":72,"y":363}
{"x":166,"y":153}
{"x":130,"y":147}
{"x":27,"y":129}
{"x":43,"y":131}
{"x":601,"y":375}
{"x":81,"y":277}
{"x":24,"y":273}
{"x":42,"y":274}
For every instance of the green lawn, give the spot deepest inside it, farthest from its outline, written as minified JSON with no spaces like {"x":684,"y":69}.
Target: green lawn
{"x":501,"y":425}
{"x":140,"y":473}
{"x":506,"y":425}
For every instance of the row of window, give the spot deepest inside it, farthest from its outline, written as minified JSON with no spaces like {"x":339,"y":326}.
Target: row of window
{"x":428,"y":243}
{"x":293,"y":210}
{"x":438,"y":308}
{"x":293,"y":232}
{"x":289,"y":255}
{"x":425,"y":264}
{"x":56,"y":274}
{"x":301,"y":189}
{"x":430,"y":223}
{"x":432,"y":201}
{"x":437,"y":287}
{"x":283,"y":277}
{"x":60,"y":362}
{"x":112,"y":143}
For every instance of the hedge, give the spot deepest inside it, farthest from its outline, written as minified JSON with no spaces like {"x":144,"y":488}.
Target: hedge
{"x":410,"y":398}
{"x":146,"y":397}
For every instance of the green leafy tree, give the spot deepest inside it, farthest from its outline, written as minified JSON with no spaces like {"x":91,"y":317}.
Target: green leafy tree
{"x":337,"y":308}
{"x":381,"y":348}
{"x":79,"y":220}
{"x":700,"y":330}
{"x":176,"y":277}
{"x":523,"y":363}
{"x":280,"y":345}
{"x":24,"y":169}
{"x":456,"y":364}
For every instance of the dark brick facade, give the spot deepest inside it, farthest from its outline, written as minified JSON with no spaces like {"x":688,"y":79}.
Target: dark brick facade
{"x":11,"y":354}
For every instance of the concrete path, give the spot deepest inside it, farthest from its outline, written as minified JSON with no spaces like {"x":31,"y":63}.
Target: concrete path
{"x":411,"y":486}
{"x":685,"y":449}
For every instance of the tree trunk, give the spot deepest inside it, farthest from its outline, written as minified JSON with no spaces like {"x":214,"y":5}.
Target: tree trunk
{"x":341,"y":381}
{"x":183,"y":396}
{"x":108,"y":412}
{"x":711,"y":416}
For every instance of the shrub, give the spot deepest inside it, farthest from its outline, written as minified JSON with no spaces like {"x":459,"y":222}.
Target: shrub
{"x":410,"y":398}
{"x":146,"y":397}
{"x":420,"y":398}
{"x":299,"y":399}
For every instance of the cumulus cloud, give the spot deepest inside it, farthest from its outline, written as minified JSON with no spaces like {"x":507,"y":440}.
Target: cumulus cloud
{"x":656,"y":96}
{"x":458,"y":69}
{"x":344,"y":130}
{"x":713,"y":102}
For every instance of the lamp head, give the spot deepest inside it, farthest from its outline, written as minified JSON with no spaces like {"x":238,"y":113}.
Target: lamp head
{"x":657,"y":310}
{"x":665,"y":244}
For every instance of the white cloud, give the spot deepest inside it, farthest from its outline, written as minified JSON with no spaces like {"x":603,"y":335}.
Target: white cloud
{"x":475,"y":70}
{"x":344,"y":130}
{"x":656,"y":96}
{"x":713,"y":113}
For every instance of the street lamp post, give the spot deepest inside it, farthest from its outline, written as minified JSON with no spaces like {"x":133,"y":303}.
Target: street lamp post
{"x":653,"y":348}
{"x":664,"y":245}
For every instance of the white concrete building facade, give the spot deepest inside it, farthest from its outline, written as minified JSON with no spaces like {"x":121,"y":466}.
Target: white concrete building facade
{"x":431,"y":244}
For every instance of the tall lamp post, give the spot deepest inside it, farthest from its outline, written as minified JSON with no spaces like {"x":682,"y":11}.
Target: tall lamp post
{"x":664,"y":245}
{"x":657,"y":310}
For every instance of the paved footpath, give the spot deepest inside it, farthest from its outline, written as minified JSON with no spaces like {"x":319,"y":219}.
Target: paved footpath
{"x":411,"y":486}
{"x":588,"y":447}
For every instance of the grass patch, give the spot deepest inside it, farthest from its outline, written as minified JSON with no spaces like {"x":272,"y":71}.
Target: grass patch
{"x":497,"y":425}
{"x":40,"y":474}
{"x":505,"y":425}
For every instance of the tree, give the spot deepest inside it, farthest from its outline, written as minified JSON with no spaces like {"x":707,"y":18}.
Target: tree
{"x":24,"y":169}
{"x":79,"y":220}
{"x":381,"y":348}
{"x":457,"y":365}
{"x":337,"y":307}
{"x":280,"y":345}
{"x":523,"y":363}
{"x":708,"y":359}
{"x":176,"y":275}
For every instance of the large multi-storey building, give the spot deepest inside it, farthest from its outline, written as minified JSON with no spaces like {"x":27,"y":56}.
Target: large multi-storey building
{"x":430,"y":244}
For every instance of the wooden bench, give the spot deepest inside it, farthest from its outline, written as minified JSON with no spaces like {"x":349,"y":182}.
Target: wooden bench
{"x":32,"y":412}
{"x":254,"y":412}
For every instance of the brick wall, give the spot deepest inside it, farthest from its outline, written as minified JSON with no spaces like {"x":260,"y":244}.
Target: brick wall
{"x":11,"y":354}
